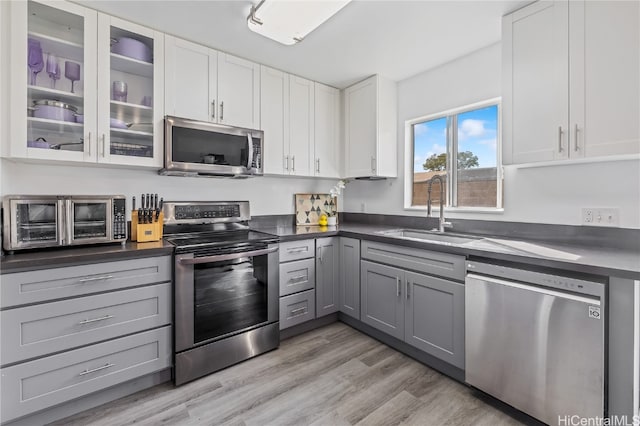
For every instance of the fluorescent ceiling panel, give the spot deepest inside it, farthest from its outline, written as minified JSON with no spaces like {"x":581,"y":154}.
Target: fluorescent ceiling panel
{"x":289,"y":21}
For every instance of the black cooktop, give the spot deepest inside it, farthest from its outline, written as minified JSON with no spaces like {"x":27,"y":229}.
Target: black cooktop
{"x":197,"y":240}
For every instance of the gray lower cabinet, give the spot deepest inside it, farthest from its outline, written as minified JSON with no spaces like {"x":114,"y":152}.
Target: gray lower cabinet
{"x":38,"y":330}
{"x":434,"y":317}
{"x":70,"y":331}
{"x":349,"y":277}
{"x":297,"y":282}
{"x":381,"y":302}
{"x":327,"y":275}
{"x":425,"y":311}
{"x":32,"y":386}
{"x":297,"y":308}
{"x":296,"y":276}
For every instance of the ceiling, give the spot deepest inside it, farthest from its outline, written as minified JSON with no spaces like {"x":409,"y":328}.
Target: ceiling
{"x":396,"y":39}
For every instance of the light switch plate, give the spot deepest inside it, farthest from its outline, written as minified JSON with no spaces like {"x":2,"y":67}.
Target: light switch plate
{"x":594,"y":216}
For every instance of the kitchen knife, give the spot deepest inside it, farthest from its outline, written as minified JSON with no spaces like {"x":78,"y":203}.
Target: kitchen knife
{"x":134,"y":203}
{"x":159,"y":208}
{"x":142,"y":212}
{"x":149,"y":199}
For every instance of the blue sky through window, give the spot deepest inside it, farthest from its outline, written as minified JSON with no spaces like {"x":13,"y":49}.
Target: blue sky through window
{"x":477,"y":132}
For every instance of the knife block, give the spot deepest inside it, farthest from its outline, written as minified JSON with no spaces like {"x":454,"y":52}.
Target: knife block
{"x":145,"y":232}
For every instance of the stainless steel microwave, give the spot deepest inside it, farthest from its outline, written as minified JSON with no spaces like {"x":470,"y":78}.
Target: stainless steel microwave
{"x":197,"y":148}
{"x":33,"y":221}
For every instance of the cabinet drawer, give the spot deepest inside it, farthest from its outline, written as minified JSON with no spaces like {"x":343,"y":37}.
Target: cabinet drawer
{"x":39,"y":330}
{"x":429,"y":262}
{"x":297,"y":308}
{"x":59,"y":283}
{"x":43,"y":383}
{"x":295,"y":250}
{"x":297,"y":276}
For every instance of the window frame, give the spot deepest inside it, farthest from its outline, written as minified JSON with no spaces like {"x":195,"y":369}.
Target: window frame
{"x":451,"y":116}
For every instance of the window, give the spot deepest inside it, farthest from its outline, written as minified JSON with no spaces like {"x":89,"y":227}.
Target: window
{"x":467,"y":158}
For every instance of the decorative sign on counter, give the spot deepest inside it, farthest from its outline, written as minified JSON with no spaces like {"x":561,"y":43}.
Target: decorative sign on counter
{"x":311,"y":207}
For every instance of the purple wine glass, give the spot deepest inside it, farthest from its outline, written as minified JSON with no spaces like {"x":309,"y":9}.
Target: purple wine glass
{"x":72,"y":72}
{"x":53,"y":69}
{"x":35,"y":59}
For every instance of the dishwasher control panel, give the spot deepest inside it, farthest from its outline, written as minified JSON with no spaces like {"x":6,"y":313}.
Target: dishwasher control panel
{"x":576,"y":285}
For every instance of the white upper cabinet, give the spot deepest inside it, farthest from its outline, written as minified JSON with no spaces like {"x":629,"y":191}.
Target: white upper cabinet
{"x":190,"y":80}
{"x":605,"y":77}
{"x":274,"y":105}
{"x":370,"y":108}
{"x":238,"y":92}
{"x":301,"y":128}
{"x":64,"y":107}
{"x":327,"y":131}
{"x":207,"y":85}
{"x":570,"y":81}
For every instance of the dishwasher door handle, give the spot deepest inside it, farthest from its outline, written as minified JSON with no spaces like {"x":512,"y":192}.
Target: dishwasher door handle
{"x":536,"y":289}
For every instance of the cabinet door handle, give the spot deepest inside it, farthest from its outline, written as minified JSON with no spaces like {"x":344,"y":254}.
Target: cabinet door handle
{"x":407,"y":288}
{"x":560,"y":138}
{"x":320,"y":255}
{"x":286,"y":162}
{"x":293,"y":163}
{"x":93,"y":370}
{"x":93,"y":279}
{"x":398,"y":286}
{"x":89,"y":321}
{"x":104,"y":143}
{"x":373,"y":164}
{"x":221,"y":111}
{"x":89,"y":143}
{"x":575,"y":138}
{"x":318,"y":166}
{"x":213,"y":108}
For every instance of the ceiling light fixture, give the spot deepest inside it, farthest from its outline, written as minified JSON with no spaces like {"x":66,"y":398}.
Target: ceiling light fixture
{"x":289,"y":21}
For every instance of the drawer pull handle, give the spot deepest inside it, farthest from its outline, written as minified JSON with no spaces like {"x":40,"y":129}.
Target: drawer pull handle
{"x":93,"y":370}
{"x":297,"y":250}
{"x":300,"y":279}
{"x":92,"y":279}
{"x":89,"y":321}
{"x":295,"y":311}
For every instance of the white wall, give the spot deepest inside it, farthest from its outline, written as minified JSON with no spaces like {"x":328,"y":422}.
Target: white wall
{"x":553,"y":194}
{"x":267,"y":195}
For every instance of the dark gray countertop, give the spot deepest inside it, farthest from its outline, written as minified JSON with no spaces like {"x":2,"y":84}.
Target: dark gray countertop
{"x":601,"y":261}
{"x":572,"y":257}
{"x":54,"y":258}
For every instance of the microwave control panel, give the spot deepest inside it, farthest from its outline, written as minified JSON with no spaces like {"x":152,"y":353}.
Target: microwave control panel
{"x":119,"y":219}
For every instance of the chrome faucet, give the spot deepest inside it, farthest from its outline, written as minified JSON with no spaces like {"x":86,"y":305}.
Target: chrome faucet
{"x":442,"y":224}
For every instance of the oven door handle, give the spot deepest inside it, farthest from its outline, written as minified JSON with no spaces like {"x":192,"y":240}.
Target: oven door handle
{"x":221,"y":257}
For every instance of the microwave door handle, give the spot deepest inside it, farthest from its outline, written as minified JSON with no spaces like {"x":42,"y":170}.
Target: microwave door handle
{"x":61,"y":222}
{"x":222,"y":257}
{"x":250,"y":151}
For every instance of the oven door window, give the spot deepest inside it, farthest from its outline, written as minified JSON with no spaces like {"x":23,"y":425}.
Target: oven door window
{"x":36,"y":222}
{"x":89,"y":220}
{"x":230,"y":296}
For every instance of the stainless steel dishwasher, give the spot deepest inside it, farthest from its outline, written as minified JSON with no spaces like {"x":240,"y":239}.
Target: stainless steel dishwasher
{"x":536,"y":341}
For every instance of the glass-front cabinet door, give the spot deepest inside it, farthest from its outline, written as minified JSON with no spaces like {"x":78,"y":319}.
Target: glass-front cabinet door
{"x":53,"y":76}
{"x":130,"y":93}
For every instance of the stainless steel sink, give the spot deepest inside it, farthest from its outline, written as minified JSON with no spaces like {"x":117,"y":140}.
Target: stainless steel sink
{"x":429,"y":236}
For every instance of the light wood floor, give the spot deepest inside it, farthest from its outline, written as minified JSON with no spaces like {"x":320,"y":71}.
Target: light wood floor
{"x":334,"y":375}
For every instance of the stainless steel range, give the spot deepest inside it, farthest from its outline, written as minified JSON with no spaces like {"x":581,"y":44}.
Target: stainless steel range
{"x":226,"y":287}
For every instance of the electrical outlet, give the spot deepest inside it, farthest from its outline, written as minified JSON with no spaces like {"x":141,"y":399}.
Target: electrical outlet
{"x":601,"y":216}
